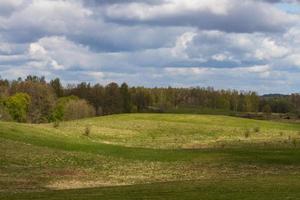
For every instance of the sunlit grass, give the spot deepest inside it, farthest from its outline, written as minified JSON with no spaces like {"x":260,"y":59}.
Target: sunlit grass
{"x":177,"y":131}
{"x":133,"y":149}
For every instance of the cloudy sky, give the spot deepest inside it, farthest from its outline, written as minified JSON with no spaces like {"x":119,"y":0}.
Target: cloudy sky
{"x":240,"y":44}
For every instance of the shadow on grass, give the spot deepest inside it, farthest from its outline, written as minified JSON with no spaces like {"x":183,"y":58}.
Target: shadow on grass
{"x":267,"y":188}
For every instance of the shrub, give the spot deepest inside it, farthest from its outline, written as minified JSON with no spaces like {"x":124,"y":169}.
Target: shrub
{"x":4,"y":114}
{"x":256,"y":129}
{"x":87,"y":131}
{"x":281,"y":133}
{"x":56,"y":124}
{"x":294,"y":142}
{"x":247,"y":133}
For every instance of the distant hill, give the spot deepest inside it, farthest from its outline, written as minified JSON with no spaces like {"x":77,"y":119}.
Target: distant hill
{"x":274,"y":95}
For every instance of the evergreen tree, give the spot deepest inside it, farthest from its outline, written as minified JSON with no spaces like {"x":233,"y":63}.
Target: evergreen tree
{"x":57,"y":87}
{"x":126,"y":98}
{"x":112,"y":99}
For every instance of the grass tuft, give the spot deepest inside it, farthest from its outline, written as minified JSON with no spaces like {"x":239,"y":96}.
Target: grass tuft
{"x":281,"y":133}
{"x":294,"y":142}
{"x":87,"y":131}
{"x":56,"y":124}
{"x":256,"y":129}
{"x":247,"y":133}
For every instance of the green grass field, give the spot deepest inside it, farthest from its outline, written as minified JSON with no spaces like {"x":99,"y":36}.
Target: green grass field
{"x":151,"y":156}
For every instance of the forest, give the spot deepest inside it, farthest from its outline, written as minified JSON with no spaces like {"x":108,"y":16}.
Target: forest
{"x":35,"y":100}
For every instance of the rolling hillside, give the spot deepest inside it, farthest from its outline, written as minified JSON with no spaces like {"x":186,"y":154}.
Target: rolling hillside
{"x":151,"y":156}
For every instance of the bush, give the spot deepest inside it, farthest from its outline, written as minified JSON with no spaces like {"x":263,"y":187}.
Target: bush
{"x":294,"y":142}
{"x":256,"y":129}
{"x":4,"y":114}
{"x":281,"y":133}
{"x":56,"y":124}
{"x":87,"y":131}
{"x":247,"y":133}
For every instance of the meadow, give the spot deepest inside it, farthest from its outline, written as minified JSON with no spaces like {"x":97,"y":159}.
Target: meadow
{"x":151,"y":156}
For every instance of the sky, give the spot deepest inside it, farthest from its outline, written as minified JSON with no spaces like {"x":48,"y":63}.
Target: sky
{"x":227,"y":44}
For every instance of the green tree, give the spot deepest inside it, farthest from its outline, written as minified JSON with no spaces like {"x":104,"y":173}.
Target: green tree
{"x":59,"y":109}
{"x":4,"y":114}
{"x":141,"y":98}
{"x":267,"y":109}
{"x":17,"y":106}
{"x":34,"y":78}
{"x":112,"y":99}
{"x":57,"y":87}
{"x":42,"y":99}
{"x":77,"y":109}
{"x":126,"y":98}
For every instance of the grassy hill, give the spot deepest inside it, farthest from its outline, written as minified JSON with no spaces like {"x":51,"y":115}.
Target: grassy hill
{"x":151,"y":156}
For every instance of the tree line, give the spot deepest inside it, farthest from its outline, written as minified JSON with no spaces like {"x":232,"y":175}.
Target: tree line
{"x":35,"y":100}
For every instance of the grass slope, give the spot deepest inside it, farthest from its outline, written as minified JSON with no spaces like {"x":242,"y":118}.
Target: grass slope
{"x":212,"y":157}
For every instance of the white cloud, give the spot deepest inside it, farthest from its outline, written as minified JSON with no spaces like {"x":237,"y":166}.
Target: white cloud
{"x":223,"y":43}
{"x":182,"y":43}
{"x":142,"y":11}
{"x":5,"y":48}
{"x":190,"y":71}
{"x":60,"y":53}
{"x":269,"y":49}
{"x":52,"y":16}
{"x":8,"y":6}
{"x":234,"y":47}
{"x":225,"y":15}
